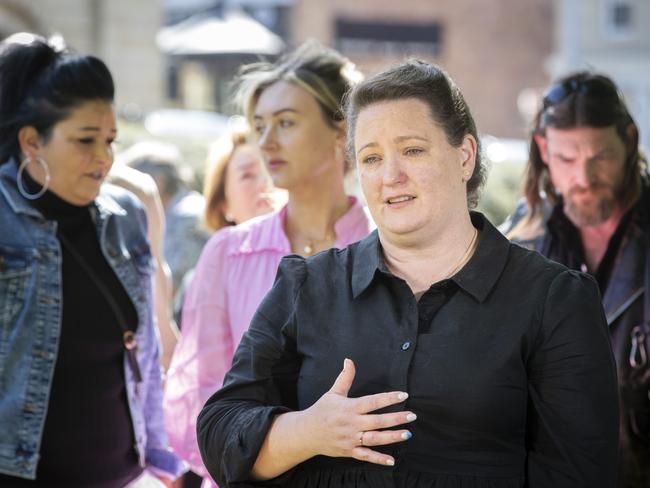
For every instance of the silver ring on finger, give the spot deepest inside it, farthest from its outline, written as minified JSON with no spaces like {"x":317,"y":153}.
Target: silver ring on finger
{"x":361,"y":438}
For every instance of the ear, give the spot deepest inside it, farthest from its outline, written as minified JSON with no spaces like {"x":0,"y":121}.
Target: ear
{"x":340,"y":143}
{"x":631,"y":140}
{"x":341,"y":128}
{"x":542,"y":145}
{"x":338,"y":128}
{"x":29,"y":141}
{"x":223,"y":208}
{"x":468,"y":148}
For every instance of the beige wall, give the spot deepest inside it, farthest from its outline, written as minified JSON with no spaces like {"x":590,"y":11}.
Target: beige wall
{"x":121,"y":32}
{"x":494,"y":49}
{"x":597,"y":39}
{"x":582,"y":41}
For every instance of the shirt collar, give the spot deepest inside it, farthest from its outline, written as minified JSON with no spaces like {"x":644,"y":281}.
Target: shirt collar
{"x":106,"y":205}
{"x":484,"y":268}
{"x":477,"y":277}
{"x":356,"y":217}
{"x":367,"y":262}
{"x":267,"y":232}
{"x":263,"y":233}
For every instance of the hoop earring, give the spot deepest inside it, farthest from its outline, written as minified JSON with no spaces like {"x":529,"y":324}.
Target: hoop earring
{"x":19,"y":178}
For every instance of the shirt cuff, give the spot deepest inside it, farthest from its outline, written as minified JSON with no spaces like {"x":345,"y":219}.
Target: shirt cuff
{"x":165,"y":463}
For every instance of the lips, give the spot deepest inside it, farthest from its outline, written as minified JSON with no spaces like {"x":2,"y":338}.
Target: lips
{"x":264,"y":201}
{"x":274,"y":164}
{"x":96,"y":175}
{"x":399,"y":199}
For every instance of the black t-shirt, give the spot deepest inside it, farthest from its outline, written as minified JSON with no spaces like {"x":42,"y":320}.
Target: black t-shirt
{"x":88,"y":437}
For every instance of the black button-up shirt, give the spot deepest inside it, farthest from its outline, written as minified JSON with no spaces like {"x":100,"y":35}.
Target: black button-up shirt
{"x":507,"y":364}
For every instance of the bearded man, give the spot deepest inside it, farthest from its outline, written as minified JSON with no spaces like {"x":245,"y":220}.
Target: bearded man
{"x":587,"y":205}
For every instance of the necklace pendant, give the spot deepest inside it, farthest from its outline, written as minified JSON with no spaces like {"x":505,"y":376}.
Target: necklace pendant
{"x":308,"y":249}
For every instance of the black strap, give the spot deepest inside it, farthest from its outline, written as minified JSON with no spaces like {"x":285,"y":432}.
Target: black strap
{"x":646,"y":298}
{"x":128,"y":336}
{"x":640,"y":333}
{"x":644,"y":330}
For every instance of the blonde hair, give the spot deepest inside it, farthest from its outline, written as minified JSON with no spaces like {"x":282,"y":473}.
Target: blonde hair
{"x":324,"y":73}
{"x":214,"y":183}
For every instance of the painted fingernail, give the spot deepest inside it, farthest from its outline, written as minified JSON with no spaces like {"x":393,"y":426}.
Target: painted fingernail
{"x":411,"y":417}
{"x":390,"y":462}
{"x":402,"y":395}
{"x":406,"y":435}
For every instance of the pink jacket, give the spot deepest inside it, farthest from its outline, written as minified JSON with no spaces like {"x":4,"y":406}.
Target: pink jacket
{"x":235,"y":271}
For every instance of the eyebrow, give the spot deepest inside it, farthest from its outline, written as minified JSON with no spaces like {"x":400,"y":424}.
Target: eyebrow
{"x":396,"y":140}
{"x":599,"y":153}
{"x":245,"y":166}
{"x":93,"y":128}
{"x":278,"y":112}
{"x":606,"y":151}
{"x":405,"y":138}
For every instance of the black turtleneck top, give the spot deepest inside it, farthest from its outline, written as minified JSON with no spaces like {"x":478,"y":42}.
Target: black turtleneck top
{"x":88,"y":439}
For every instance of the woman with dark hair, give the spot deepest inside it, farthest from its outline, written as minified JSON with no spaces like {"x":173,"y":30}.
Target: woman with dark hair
{"x":80,"y":383}
{"x":464,"y":364}
{"x":295,"y":109}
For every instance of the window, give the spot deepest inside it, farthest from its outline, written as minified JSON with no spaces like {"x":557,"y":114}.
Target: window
{"x":622,"y":16}
{"x":618,"y":18}
{"x":387,"y":38}
{"x":172,"y":82}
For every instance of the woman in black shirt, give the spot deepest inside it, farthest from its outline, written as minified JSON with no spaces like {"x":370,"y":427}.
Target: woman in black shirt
{"x":468,"y":361}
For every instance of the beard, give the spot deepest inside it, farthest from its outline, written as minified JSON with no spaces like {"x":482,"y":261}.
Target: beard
{"x":591,"y":206}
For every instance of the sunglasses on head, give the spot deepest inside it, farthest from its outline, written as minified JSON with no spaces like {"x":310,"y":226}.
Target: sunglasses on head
{"x":596,"y":87}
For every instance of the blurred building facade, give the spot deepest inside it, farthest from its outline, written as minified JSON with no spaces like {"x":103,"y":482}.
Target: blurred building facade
{"x":205,"y":46}
{"x":502,"y":53}
{"x":121,"y":32}
{"x":494,"y":49}
{"x":610,"y":36}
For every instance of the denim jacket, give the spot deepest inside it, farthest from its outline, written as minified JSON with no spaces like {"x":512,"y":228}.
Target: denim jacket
{"x":30,"y":323}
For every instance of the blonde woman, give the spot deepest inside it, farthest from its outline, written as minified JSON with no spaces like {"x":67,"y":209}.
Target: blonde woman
{"x":295,"y":109}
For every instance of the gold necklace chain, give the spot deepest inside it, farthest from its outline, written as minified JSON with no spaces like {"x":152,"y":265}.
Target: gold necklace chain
{"x":309,"y":247}
{"x":465,"y":255}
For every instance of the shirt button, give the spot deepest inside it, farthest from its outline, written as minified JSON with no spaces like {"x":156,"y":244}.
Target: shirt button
{"x":406,"y":345}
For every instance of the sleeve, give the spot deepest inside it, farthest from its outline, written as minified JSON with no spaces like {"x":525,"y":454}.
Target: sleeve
{"x":203,"y":353}
{"x":572,"y":433}
{"x":184,"y":242}
{"x":260,"y":385}
{"x":158,"y":455}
